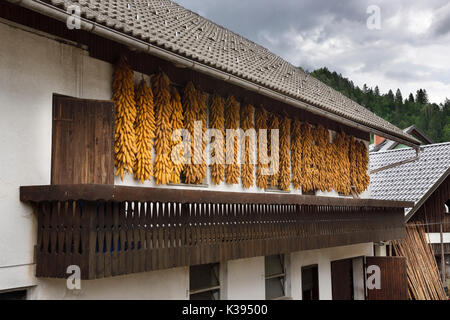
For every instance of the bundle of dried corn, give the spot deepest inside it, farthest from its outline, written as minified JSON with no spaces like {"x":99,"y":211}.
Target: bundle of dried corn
{"x":323,"y":161}
{"x":285,"y":160}
{"x":296,"y":157}
{"x":176,"y":121}
{"x":261,"y":117}
{"x":247,"y":124}
{"x":145,"y":132}
{"x":359,"y":161}
{"x":307,"y":158}
{"x":163,"y":133}
{"x":217,"y":122}
{"x":125,"y":136}
{"x":232,"y":171}
{"x":201,"y":141}
{"x":274,"y":150}
{"x":191,"y":110}
{"x":424,"y":281}
{"x":316,"y":158}
{"x":341,"y":165}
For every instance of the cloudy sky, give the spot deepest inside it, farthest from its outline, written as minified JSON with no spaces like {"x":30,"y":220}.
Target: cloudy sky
{"x":410,"y":50}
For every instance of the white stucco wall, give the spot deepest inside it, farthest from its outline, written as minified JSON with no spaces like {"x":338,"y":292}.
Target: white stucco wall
{"x":164,"y":285}
{"x":322,"y":258}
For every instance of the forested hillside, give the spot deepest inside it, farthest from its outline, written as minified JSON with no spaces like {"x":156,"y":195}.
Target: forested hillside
{"x":403,"y":111}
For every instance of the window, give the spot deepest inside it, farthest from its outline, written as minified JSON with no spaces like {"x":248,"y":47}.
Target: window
{"x":14,"y":295}
{"x":310,"y":282}
{"x":204,"y":282}
{"x":275,"y":276}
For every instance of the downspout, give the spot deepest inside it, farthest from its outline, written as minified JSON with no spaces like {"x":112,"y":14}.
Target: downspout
{"x":100,"y":30}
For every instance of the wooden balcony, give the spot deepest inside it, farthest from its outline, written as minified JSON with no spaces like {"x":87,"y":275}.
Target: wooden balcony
{"x":114,"y":230}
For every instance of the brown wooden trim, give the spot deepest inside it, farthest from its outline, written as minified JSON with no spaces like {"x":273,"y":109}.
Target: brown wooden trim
{"x":94,"y":192}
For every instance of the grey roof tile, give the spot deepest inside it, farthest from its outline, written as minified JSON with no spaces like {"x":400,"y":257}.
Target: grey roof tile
{"x":410,"y":181}
{"x":167,"y":24}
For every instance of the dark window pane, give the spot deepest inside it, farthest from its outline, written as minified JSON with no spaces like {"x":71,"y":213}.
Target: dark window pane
{"x":204,"y":277}
{"x":14,"y":295}
{"x":274,"y":288}
{"x":310,"y":283}
{"x":273,"y":265}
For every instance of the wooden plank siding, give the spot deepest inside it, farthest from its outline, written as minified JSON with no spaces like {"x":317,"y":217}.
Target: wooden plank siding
{"x":111,"y":237}
{"x":432,"y":212}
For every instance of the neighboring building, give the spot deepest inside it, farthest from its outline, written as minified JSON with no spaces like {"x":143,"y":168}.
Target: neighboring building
{"x":383,"y":144}
{"x":426,"y":182}
{"x":62,"y":205}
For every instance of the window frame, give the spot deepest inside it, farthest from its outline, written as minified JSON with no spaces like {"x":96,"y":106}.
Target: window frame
{"x":282,"y":275}
{"x":211,"y":288}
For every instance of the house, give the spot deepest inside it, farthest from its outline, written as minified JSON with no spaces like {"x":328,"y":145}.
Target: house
{"x":382,"y":144}
{"x":69,"y":127}
{"x":424,"y":181}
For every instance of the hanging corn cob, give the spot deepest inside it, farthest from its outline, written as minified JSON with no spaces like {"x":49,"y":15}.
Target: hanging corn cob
{"x":342,"y":164}
{"x":163,"y":133}
{"x":232,"y":122}
{"x":307,"y":158}
{"x":190,"y":107}
{"x":247,"y":169}
{"x":358,"y":165}
{"x":285,"y":160}
{"x":176,"y":121}
{"x":364,"y":167}
{"x":274,"y":150}
{"x":202,"y":116}
{"x":316,"y":157}
{"x":145,"y":132}
{"x":322,"y":162}
{"x":125,"y":136}
{"x":217,"y":121}
{"x":261,"y":117}
{"x":296,"y":157}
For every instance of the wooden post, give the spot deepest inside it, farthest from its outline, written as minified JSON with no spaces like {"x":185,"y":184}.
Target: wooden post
{"x":442,"y":255}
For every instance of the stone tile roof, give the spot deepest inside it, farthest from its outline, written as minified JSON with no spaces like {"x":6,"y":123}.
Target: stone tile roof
{"x":172,"y":27}
{"x":410,"y":181}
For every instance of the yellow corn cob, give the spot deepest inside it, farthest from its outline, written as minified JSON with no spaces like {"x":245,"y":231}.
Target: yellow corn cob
{"x":217,"y":121}
{"x":145,"y":132}
{"x":163,"y":132}
{"x":232,"y":171}
{"x":125,"y":137}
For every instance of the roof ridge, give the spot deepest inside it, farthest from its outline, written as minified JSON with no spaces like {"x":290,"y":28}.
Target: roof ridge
{"x":409,"y":148}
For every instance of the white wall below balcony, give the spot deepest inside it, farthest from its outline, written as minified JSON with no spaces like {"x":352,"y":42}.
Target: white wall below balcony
{"x":165,"y":284}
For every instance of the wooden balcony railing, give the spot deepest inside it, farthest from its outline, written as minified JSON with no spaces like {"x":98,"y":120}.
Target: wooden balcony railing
{"x":113,"y":230}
